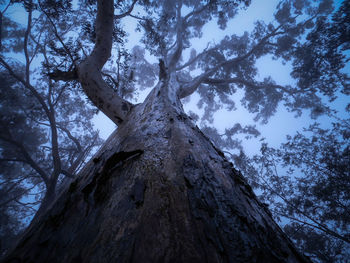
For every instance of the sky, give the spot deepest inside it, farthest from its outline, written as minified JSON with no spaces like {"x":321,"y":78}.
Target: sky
{"x":279,"y":125}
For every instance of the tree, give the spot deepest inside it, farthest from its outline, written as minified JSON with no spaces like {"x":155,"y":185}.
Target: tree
{"x":159,"y":190}
{"x":310,"y":193}
{"x":45,"y":131}
{"x":314,"y":193}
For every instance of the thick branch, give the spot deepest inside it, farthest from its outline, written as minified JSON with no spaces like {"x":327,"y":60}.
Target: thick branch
{"x":179,"y":38}
{"x":56,"y":159}
{"x":89,"y":71}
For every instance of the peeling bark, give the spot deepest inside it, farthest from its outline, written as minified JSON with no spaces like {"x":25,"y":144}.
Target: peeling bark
{"x":158,"y":191}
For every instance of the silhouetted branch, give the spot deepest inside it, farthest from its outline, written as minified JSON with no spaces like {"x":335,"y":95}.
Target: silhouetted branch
{"x":127,"y":12}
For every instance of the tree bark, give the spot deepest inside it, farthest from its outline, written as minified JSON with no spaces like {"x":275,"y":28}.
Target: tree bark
{"x":158,"y":191}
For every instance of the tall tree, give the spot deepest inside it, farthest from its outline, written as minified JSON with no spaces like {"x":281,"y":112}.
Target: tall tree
{"x":159,"y":190}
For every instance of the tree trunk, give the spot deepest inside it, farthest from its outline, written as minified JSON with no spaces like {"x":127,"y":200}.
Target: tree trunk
{"x":158,"y":191}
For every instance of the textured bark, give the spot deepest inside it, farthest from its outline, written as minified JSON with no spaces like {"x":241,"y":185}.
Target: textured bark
{"x":158,"y":191}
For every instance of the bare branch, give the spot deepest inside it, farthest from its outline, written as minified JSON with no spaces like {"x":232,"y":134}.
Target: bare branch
{"x":26,"y":85}
{"x":318,"y":226}
{"x":314,"y":223}
{"x":115,"y":82}
{"x":56,"y":159}
{"x":138,"y":17}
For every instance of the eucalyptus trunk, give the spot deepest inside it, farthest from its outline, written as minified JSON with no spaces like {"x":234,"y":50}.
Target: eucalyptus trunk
{"x":158,"y":191}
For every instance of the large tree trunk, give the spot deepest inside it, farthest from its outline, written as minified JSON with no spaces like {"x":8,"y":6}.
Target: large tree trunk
{"x":158,"y":191}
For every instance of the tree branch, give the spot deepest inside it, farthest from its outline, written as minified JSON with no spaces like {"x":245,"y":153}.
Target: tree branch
{"x":127,"y":12}
{"x":191,"y":87}
{"x":56,"y":159}
{"x":70,"y":136}
{"x":67,"y":174}
{"x":57,"y":75}
{"x":191,"y":61}
{"x":26,"y":36}
{"x":26,"y":85}
{"x":196,"y":12}
{"x":179,"y":38}
{"x":89,"y":71}
{"x":1,"y":18}
{"x":316,"y":224}
{"x":28,"y":158}
{"x":58,"y":36}
{"x":257,"y":85}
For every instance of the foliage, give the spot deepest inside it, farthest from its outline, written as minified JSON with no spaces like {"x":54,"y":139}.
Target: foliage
{"x":306,"y":184}
{"x":46,"y":131}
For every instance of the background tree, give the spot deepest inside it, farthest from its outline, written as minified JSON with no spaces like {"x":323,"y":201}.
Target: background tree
{"x":154,"y":136}
{"x":46,"y":130}
{"x":311,"y":194}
